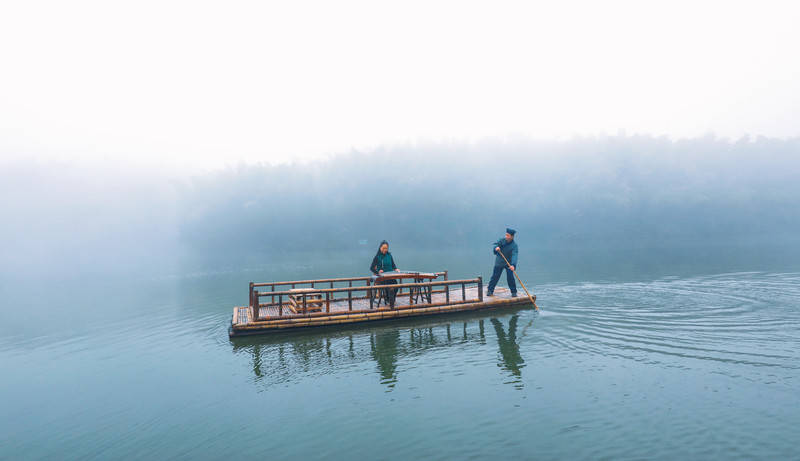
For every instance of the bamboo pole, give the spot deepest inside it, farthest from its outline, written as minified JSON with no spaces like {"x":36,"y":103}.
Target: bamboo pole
{"x":514,"y":270}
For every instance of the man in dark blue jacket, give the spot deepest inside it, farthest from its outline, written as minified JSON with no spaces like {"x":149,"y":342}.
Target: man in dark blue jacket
{"x":509,"y":249}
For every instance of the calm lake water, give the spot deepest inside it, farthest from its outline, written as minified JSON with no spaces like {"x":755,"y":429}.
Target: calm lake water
{"x":687,"y":355}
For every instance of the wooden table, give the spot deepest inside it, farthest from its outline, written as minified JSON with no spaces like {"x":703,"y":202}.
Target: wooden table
{"x":414,"y":294}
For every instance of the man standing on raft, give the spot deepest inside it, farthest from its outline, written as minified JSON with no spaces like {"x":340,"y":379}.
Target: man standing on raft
{"x":508,"y":247}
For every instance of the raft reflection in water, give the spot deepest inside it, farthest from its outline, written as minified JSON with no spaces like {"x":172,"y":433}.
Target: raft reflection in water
{"x":283,"y":358}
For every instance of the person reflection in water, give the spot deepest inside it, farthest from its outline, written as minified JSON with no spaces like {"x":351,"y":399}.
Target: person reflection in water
{"x":288,"y":356}
{"x":509,"y":349}
{"x":385,"y":349}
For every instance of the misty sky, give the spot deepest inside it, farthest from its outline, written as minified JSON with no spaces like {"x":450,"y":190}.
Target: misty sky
{"x":203,"y":84}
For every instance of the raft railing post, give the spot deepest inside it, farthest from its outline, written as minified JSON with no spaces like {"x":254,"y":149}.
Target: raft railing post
{"x":280,"y":305}
{"x":369,"y":294}
{"x":255,"y":306}
{"x":445,"y":275}
{"x":327,"y":302}
{"x":447,"y":294}
{"x":305,"y":307}
{"x":251,"y":294}
{"x":350,"y":295}
{"x":480,"y":289}
{"x":463,"y":292}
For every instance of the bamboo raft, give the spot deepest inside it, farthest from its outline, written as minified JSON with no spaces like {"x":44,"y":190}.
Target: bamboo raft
{"x":277,"y":306}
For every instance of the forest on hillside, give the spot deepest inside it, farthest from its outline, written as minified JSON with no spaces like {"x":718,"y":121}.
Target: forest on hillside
{"x":612,"y":191}
{"x":599,"y":192}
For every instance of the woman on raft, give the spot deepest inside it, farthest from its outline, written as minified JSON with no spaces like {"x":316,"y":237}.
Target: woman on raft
{"x":384,"y":262}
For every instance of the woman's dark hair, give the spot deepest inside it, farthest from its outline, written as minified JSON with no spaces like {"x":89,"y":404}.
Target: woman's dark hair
{"x":380,"y":245}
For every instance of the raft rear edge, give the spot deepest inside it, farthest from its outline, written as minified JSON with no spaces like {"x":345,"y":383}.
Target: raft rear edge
{"x":272,"y":326}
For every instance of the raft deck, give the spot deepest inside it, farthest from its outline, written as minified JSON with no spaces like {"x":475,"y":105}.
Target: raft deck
{"x":298,"y":305}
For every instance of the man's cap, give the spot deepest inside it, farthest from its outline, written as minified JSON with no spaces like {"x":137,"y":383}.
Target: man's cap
{"x":510,"y":231}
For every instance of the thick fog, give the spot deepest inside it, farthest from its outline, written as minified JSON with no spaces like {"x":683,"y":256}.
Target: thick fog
{"x":599,"y":192}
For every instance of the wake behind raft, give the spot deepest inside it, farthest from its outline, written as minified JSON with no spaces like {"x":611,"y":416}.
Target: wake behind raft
{"x":277,"y":306}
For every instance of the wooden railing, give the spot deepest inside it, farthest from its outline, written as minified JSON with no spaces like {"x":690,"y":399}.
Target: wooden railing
{"x":312,"y":283}
{"x":329,"y":295}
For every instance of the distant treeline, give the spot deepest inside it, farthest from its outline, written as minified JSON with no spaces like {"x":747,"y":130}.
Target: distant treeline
{"x":606,"y":193}
{"x":610,"y":191}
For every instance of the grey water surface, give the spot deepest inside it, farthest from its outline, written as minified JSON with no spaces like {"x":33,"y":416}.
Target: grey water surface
{"x":684,"y":356}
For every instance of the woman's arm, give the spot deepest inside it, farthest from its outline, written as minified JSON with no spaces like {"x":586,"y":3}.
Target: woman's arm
{"x":374,"y":266}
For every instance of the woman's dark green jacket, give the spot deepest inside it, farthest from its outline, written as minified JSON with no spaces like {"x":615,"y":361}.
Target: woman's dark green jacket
{"x":382,"y":262}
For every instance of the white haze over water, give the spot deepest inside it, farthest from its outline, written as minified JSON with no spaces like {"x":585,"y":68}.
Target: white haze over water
{"x":194,"y":86}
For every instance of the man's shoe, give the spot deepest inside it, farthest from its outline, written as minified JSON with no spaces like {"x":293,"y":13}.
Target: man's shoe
{"x":489,"y":293}
{"x":513,"y":295}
